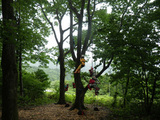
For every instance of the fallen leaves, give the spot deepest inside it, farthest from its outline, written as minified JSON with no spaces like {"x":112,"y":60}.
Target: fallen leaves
{"x":59,"y":112}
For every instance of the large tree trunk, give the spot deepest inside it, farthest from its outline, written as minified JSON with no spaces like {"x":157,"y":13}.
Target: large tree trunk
{"x":80,"y":93}
{"x":9,"y":67}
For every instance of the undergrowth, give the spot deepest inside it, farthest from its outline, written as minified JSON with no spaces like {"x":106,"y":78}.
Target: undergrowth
{"x":133,"y":111}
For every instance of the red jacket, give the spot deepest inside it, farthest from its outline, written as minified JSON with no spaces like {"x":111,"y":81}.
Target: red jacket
{"x":91,"y":81}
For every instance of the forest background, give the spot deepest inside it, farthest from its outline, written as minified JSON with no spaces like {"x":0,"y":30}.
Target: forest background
{"x":126,"y":40}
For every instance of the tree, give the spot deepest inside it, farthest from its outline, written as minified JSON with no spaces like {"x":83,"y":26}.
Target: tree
{"x":77,"y":10}
{"x":35,"y":84}
{"x":9,"y":67}
{"x":135,"y":45}
{"x":30,"y":36}
{"x":57,"y":9}
{"x":140,"y":50}
{"x":41,"y":75}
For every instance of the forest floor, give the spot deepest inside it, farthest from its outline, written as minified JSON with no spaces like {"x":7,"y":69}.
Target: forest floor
{"x":60,"y":112}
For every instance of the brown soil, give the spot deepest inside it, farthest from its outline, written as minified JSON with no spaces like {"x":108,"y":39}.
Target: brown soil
{"x":60,"y":112}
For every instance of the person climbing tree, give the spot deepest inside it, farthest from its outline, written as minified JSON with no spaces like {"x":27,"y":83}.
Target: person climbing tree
{"x":91,"y":71}
{"x":93,"y":84}
{"x":66,"y":87}
{"x":74,"y":85}
{"x":82,"y":64}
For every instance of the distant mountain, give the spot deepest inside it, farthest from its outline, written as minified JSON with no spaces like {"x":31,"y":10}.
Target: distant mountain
{"x":53,"y":74}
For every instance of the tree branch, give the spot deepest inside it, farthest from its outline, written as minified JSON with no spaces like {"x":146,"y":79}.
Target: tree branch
{"x":73,"y":8}
{"x":82,"y":7}
{"x":91,"y":39}
{"x":105,"y":67}
{"x":85,"y":45}
{"x":49,"y":23}
{"x":121,"y":21}
{"x":69,"y":27}
{"x":71,"y":37}
{"x":98,"y":65}
{"x":67,"y":36}
{"x":94,"y":7}
{"x":142,"y":7}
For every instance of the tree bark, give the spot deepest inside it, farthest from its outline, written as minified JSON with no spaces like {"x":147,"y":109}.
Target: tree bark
{"x":153,"y":95}
{"x":62,"y":77}
{"x":80,"y":93}
{"x":126,"y":91}
{"x":9,"y":67}
{"x":19,"y":52}
{"x":20,"y":71}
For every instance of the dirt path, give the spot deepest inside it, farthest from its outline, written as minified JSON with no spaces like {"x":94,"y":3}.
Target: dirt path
{"x":59,"y":112}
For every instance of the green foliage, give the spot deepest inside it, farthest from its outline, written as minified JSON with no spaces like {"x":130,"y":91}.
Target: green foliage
{"x":70,"y":97}
{"x":35,"y":85}
{"x":154,"y":14}
{"x":55,"y":89}
{"x":130,"y":33}
{"x":31,"y":32}
{"x":133,"y":39}
{"x":32,"y":87}
{"x":41,"y":75}
{"x":26,"y":101}
{"x":0,"y":83}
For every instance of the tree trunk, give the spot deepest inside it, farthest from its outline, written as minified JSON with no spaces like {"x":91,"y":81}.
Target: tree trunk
{"x":20,"y":71}
{"x":152,"y":98}
{"x":150,"y":102}
{"x":62,"y":78}
{"x":80,"y":93}
{"x":147,"y":106}
{"x":9,"y":67}
{"x":19,"y":53}
{"x":126,"y":91}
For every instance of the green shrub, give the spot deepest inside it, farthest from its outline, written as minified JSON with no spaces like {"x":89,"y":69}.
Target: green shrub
{"x":35,"y":85}
{"x":55,"y":89}
{"x":69,"y":97}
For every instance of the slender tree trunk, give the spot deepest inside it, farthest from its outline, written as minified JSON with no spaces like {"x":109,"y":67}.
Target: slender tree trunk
{"x":9,"y":67}
{"x":146,"y":96}
{"x":153,"y":94}
{"x":126,"y":91}
{"x":150,"y":102}
{"x":19,"y":54}
{"x":62,"y":78}
{"x":20,"y":71}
